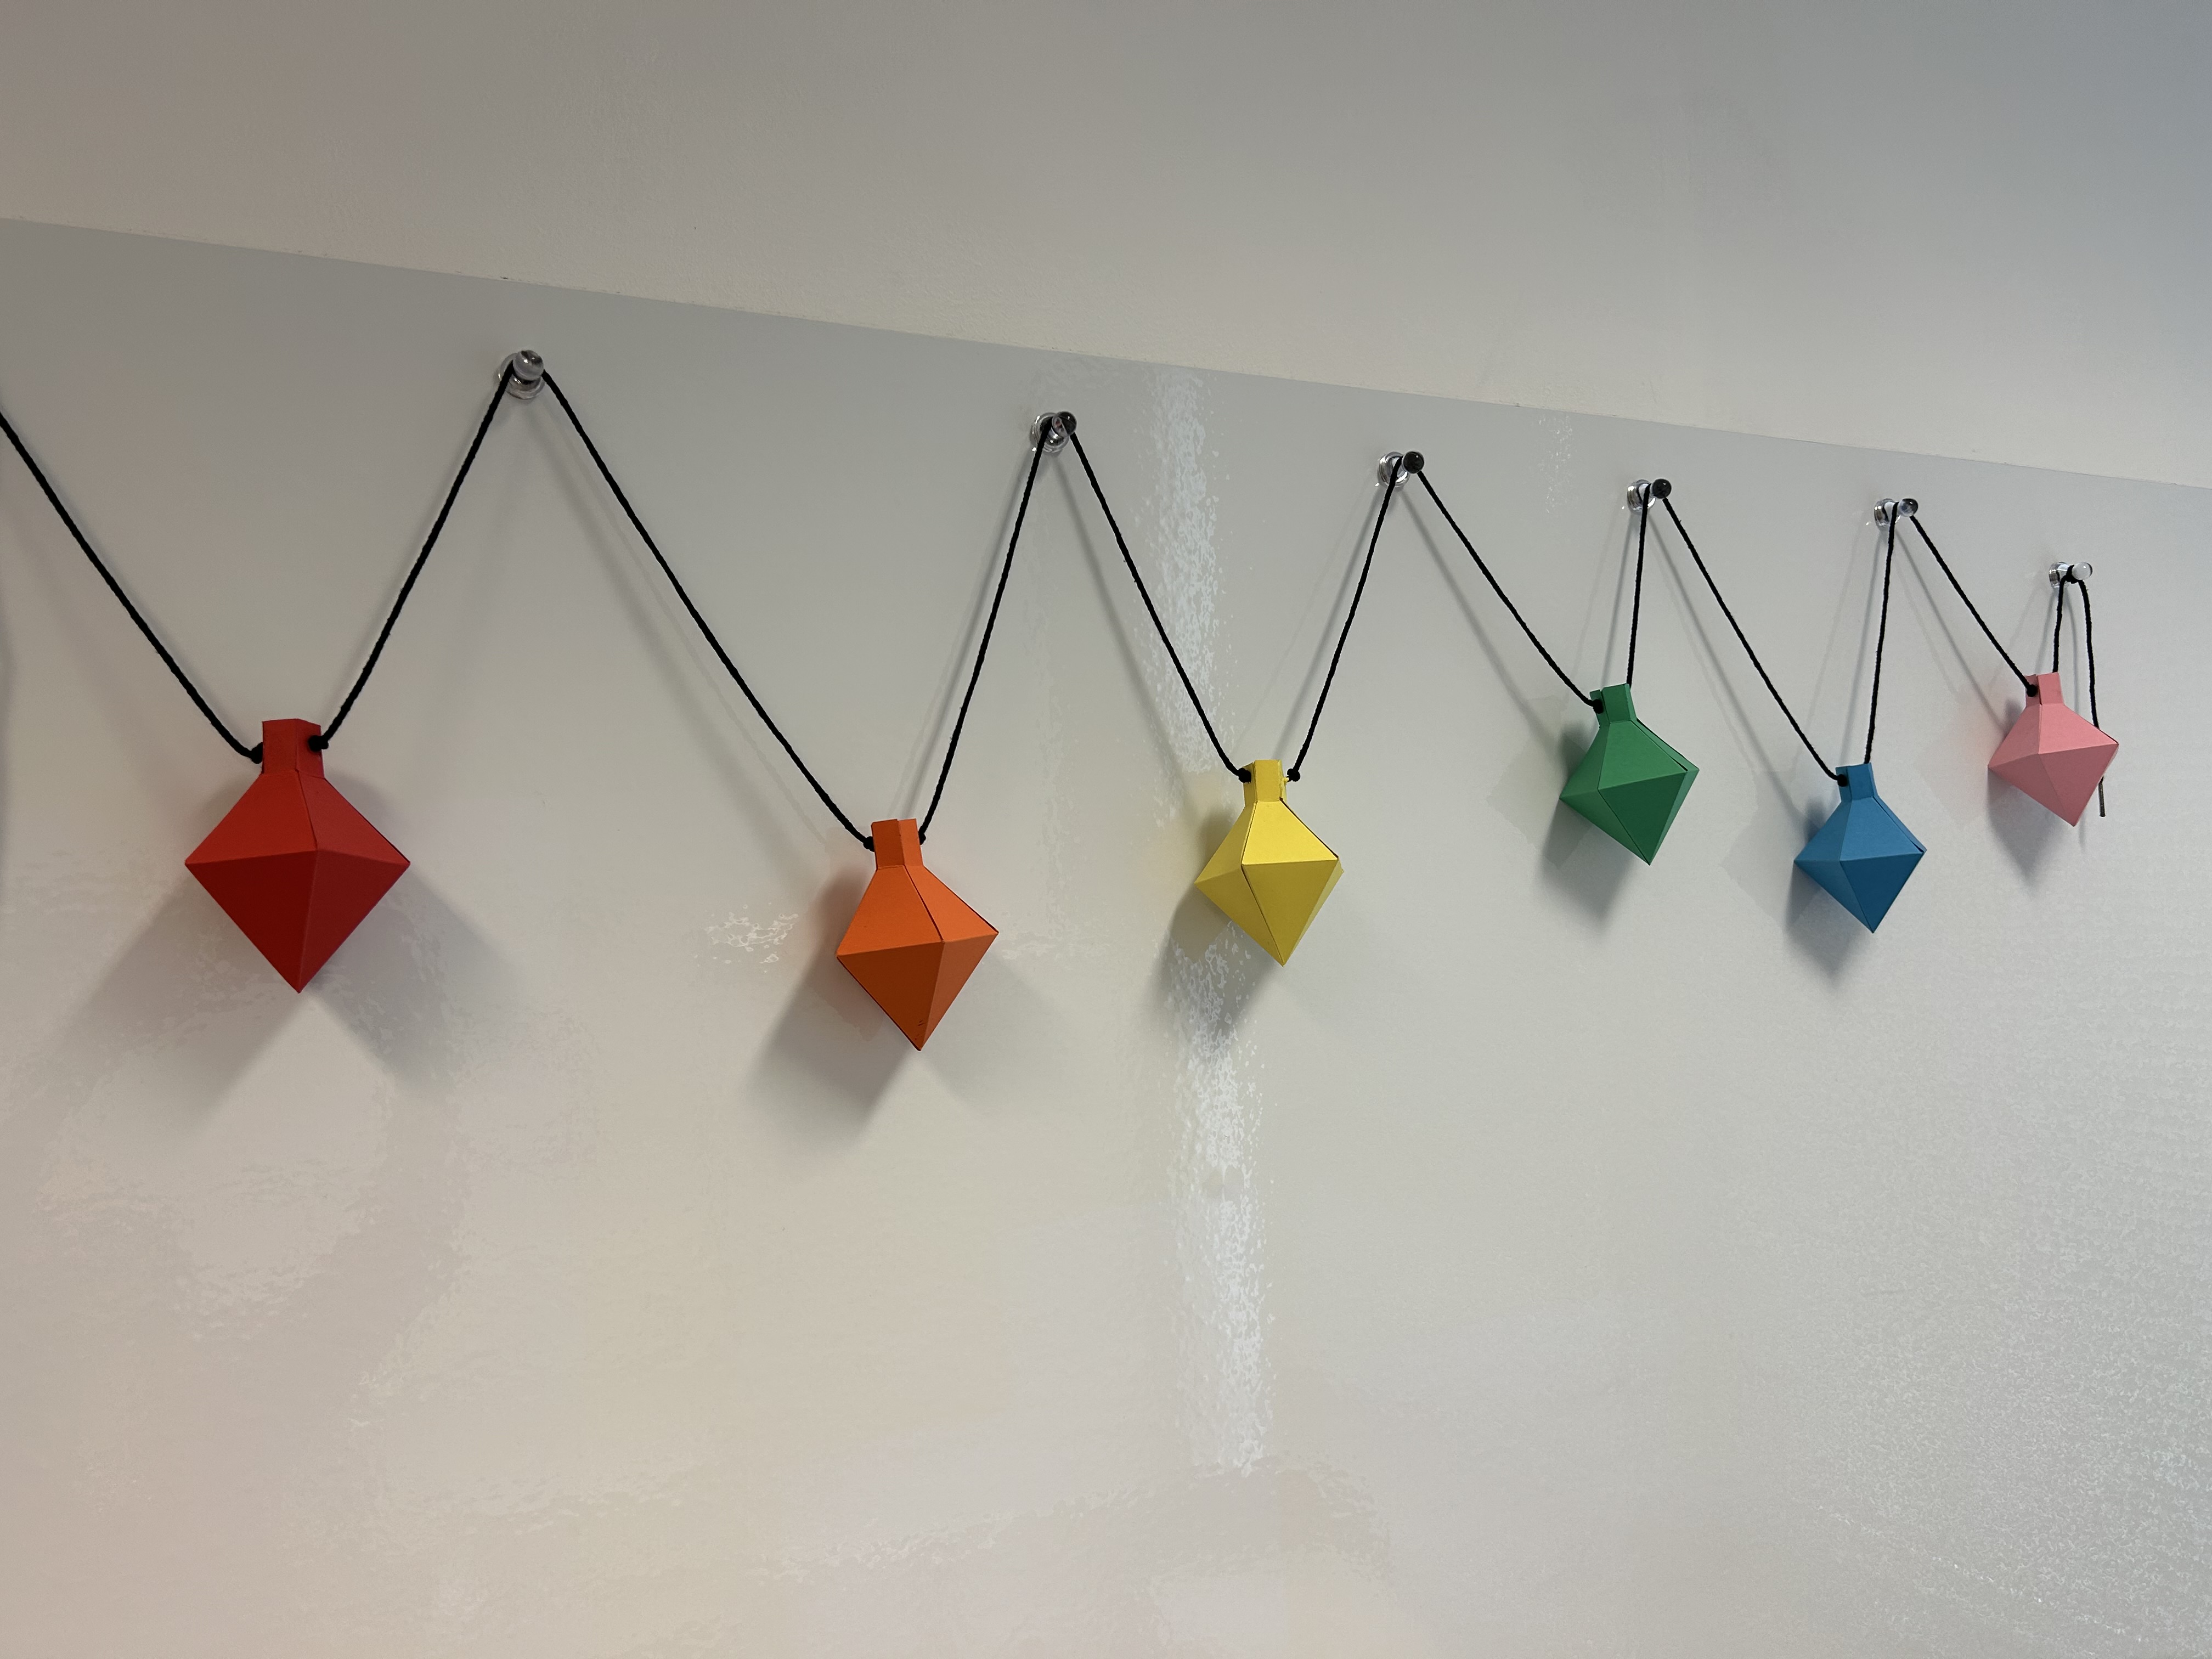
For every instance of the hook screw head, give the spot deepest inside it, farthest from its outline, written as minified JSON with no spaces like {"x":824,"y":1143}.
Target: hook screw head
{"x":1391,"y":469}
{"x":2071,"y":570}
{"x":1644,"y":491}
{"x":1889,"y":510}
{"x":527,"y":375}
{"x":1050,"y":430}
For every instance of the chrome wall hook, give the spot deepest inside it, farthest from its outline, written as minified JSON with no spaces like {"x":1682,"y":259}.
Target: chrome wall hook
{"x":1050,"y":430}
{"x":1396,"y":468}
{"x":2071,"y":570}
{"x":1889,"y":509}
{"x":1644,"y":491}
{"x":527,"y":375}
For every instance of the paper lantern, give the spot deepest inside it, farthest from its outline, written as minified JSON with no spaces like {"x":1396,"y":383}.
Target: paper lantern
{"x":1630,"y":783}
{"x":913,"y":943}
{"x":1863,"y":856}
{"x":293,"y":863}
{"x":1270,"y":873}
{"x":2053,"y":755}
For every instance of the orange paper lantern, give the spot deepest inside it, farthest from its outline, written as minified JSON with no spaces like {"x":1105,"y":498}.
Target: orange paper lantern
{"x":293,"y":863}
{"x":913,"y":943}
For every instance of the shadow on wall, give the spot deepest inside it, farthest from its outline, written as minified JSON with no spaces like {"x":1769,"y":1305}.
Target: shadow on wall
{"x":1208,"y":969}
{"x":1580,"y":861}
{"x":833,"y":1052}
{"x":1818,"y":928}
{"x":190,"y":989}
{"x":420,"y":989}
{"x":2027,"y":831}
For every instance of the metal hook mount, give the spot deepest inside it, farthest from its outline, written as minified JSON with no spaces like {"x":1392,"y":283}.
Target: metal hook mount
{"x":526,"y":375}
{"x":1396,"y":468}
{"x":1890,"y":509}
{"x":2071,"y":570}
{"x":1051,"y":429}
{"x":1644,"y":491}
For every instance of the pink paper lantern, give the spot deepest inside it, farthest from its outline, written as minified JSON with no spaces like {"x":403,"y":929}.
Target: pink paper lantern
{"x":2053,"y":755}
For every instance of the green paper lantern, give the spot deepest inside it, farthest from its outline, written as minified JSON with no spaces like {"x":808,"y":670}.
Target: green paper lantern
{"x":1630,"y":784}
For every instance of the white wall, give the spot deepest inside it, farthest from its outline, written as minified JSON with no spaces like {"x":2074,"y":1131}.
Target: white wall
{"x":1561,"y":1256}
{"x":1976,"y":228}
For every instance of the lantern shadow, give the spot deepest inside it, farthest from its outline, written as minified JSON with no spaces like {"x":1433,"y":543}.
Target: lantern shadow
{"x":1592,"y":878}
{"x":2027,"y":831}
{"x":419,"y":988}
{"x":999,"y":1038}
{"x":1818,"y":928}
{"x":833,"y":1052}
{"x":1202,"y":941}
{"x":1197,"y":921}
{"x":190,"y":991}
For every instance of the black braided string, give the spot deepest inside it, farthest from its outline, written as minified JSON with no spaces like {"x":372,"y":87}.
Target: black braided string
{"x":2089,"y":645}
{"x":1590,"y":698}
{"x":1881,"y":636}
{"x":1389,"y":490}
{"x":1721,"y":599}
{"x":168,"y":661}
{"x":1959,"y":588}
{"x":322,"y":739}
{"x":983,"y":650}
{"x":699,"y":621}
{"x":1067,"y":424}
{"x":1635,"y":604}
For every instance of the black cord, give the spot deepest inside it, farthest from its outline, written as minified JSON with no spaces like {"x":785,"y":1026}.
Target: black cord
{"x":54,"y":499}
{"x":1635,"y":604}
{"x":707,"y":632}
{"x":1719,"y":599}
{"x":2058,"y":626}
{"x":1389,"y":489}
{"x":322,"y":740}
{"x":1021,"y":515}
{"x":1943,"y":564}
{"x":1241,"y":772}
{"x":2089,"y":644}
{"x":1582,"y":695}
{"x":1881,"y":636}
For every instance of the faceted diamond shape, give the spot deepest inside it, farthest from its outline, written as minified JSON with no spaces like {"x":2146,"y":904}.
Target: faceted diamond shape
{"x":1862,"y":854}
{"x":2051,"y":755}
{"x":1271,"y":874}
{"x":913,"y":943}
{"x":1629,"y":783}
{"x":293,"y":863}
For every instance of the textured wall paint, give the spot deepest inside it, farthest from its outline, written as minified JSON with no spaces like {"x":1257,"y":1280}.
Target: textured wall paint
{"x":1562,"y":1256}
{"x":1977,"y":227}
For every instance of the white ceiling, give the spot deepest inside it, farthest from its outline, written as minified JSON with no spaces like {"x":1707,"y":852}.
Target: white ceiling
{"x":1978,"y":230}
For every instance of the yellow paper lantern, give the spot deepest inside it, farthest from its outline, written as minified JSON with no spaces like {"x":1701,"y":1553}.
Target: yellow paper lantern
{"x":1270,"y":873}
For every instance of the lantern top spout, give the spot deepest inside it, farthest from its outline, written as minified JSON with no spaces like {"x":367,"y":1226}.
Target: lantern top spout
{"x":285,"y":748}
{"x":1266,"y":782}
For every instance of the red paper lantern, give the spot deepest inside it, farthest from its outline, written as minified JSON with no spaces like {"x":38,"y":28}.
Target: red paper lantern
{"x":912,"y":942}
{"x":2053,"y":755}
{"x":293,"y":863}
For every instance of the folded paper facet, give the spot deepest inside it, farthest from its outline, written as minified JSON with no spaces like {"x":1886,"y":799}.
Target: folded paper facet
{"x":1270,"y":873}
{"x":2051,"y":755}
{"x":1630,"y":783}
{"x":913,"y":943}
{"x":293,"y":863}
{"x":1863,"y":854}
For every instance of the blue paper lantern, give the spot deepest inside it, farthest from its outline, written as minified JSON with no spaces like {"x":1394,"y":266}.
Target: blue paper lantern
{"x":1863,"y":856}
